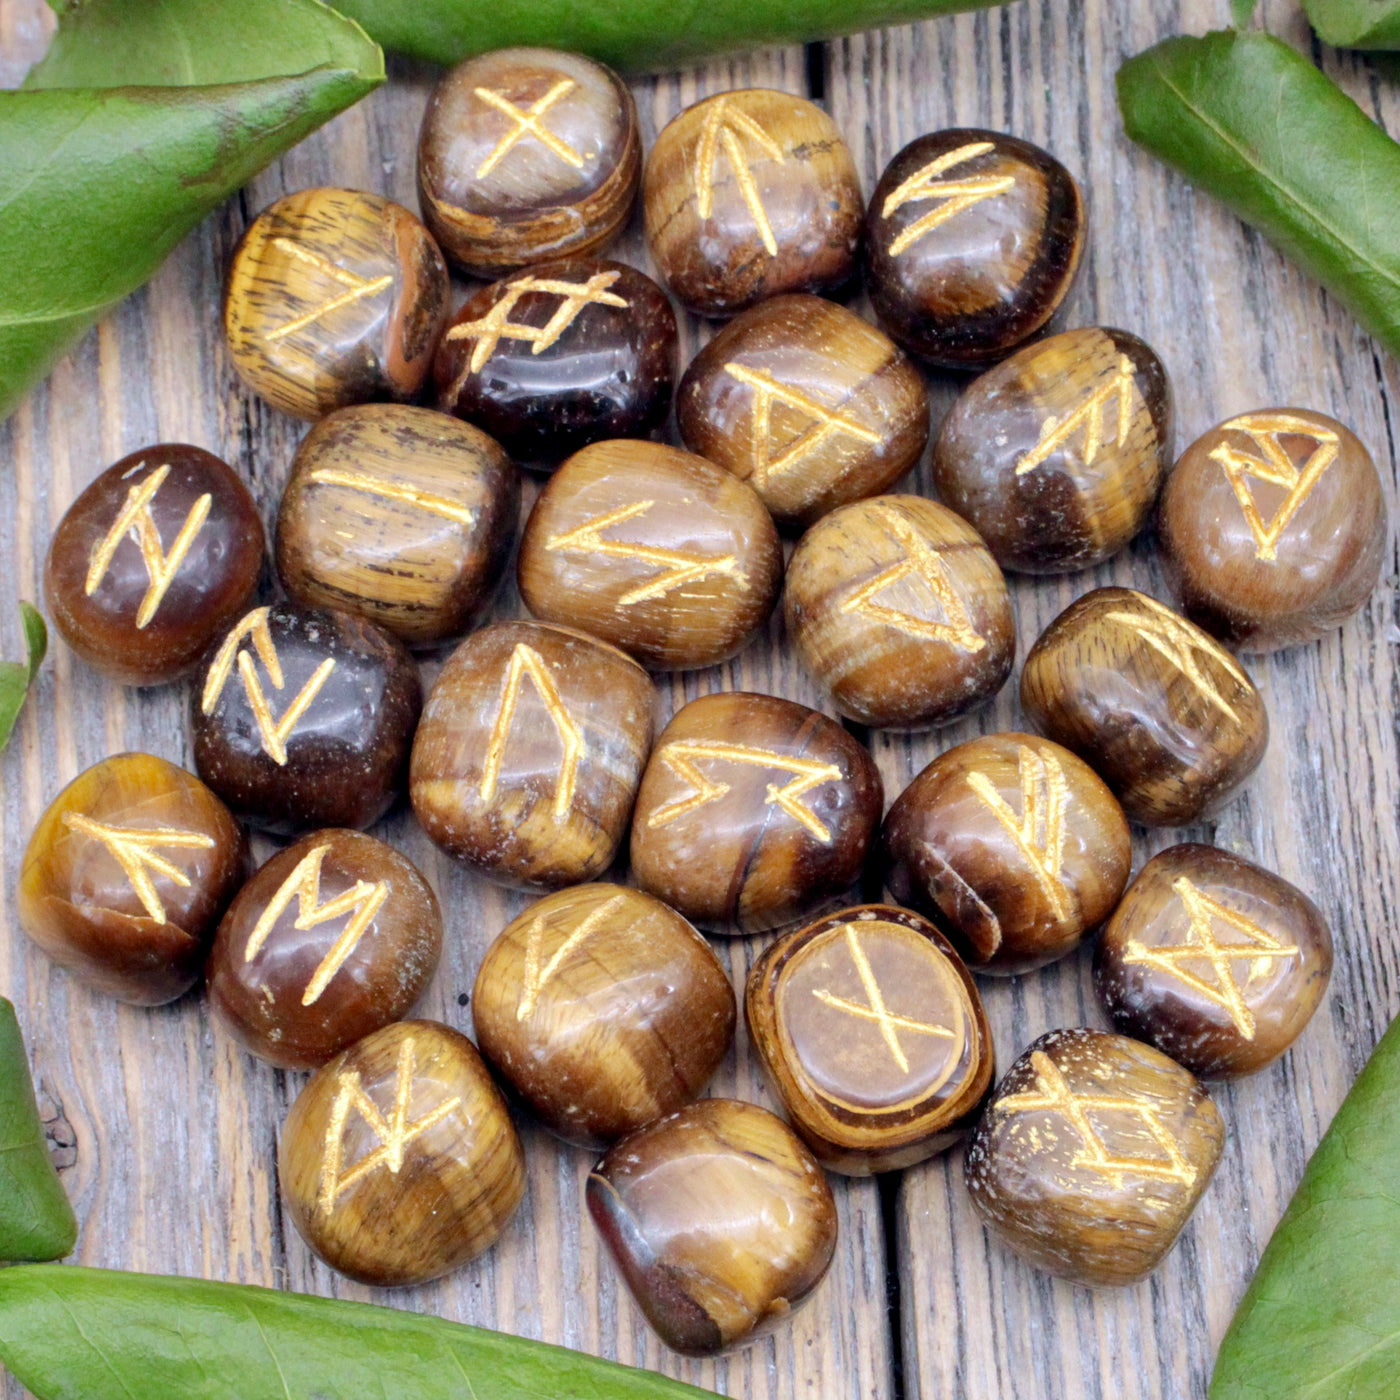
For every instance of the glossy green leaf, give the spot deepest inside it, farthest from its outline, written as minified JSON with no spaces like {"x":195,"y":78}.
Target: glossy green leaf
{"x":17,"y":676}
{"x":68,"y":1333}
{"x":1356,"y":24}
{"x":638,"y":36}
{"x":143,"y":116}
{"x":1251,"y":121}
{"x":1321,"y":1320}
{"x":36,"y":1220}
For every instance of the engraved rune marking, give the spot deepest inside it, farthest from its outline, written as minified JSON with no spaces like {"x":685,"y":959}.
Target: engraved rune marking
{"x":526,"y":661}
{"x":875,"y":1010}
{"x":394,"y":1132}
{"x":362,"y":902}
{"x":1039,"y":832}
{"x":134,"y":849}
{"x":921,"y":561}
{"x":1176,"y":640}
{"x":682,"y":757}
{"x":489,"y":330}
{"x":275,"y":733}
{"x":135,"y":518}
{"x":824,"y":423}
{"x":957,"y":195}
{"x":1052,"y":1095}
{"x":356,"y":287}
{"x":1275,"y":466}
{"x":679,"y":567}
{"x":1091,"y":418}
{"x":395,"y":491}
{"x":724,"y":125}
{"x":1261,"y":949}
{"x":528,"y":123}
{"x":536,"y":976}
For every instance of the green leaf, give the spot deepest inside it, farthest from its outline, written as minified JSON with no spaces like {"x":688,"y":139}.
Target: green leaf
{"x":143,"y":116}
{"x":1356,"y":24}
{"x":636,"y":36}
{"x":36,"y":1220}
{"x":70,"y":1332}
{"x":17,"y":676}
{"x":1242,"y":11}
{"x":1247,"y":119}
{"x":1321,"y":1320}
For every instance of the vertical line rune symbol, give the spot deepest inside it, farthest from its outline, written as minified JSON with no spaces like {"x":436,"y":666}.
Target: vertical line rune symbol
{"x":723,"y":127}
{"x":1091,"y":417}
{"x":528,"y":123}
{"x":134,"y":849}
{"x":957,"y":195}
{"x":1039,"y":832}
{"x":362,"y":902}
{"x":536,"y":977}
{"x":679,"y":567}
{"x":136,"y":518}
{"x":357,"y":287}
{"x":1277,"y":467}
{"x":526,"y":661}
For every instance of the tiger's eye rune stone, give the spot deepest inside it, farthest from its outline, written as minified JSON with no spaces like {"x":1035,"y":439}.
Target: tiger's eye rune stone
{"x":972,"y":241}
{"x":333,"y":938}
{"x":653,"y":549}
{"x":1162,"y":712}
{"x":748,"y":194}
{"x":604,"y":1010}
{"x":398,"y":1161}
{"x":527,"y":155}
{"x":1057,"y":454}
{"x":809,"y":404}
{"x":126,"y":875}
{"x":401,"y":516}
{"x":1015,"y":844}
{"x":753,"y":811}
{"x":334,"y":297}
{"x":873,"y":1035}
{"x":1273,"y":527}
{"x":900,"y":613}
{"x":561,"y":355}
{"x":1217,"y":962}
{"x":528,"y":757}
{"x":152,"y":562}
{"x":304,"y":717}
{"x":1091,"y":1156}
{"x":720,"y":1222}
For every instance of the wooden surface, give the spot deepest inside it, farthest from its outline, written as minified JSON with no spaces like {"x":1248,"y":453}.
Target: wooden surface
{"x":168,"y":1132}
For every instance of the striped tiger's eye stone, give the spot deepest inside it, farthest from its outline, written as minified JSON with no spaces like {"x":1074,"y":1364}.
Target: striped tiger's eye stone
{"x":334,"y":297}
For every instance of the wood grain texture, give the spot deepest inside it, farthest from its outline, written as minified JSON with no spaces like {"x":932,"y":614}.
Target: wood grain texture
{"x":168,"y":1131}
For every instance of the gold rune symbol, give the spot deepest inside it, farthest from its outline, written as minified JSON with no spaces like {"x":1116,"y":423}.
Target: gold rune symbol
{"x":528,"y":123}
{"x":824,"y":422}
{"x":724,"y":125}
{"x":679,"y":567}
{"x":682,"y":755}
{"x":875,"y":1010}
{"x":1090,"y":417}
{"x":1039,"y":832}
{"x":1277,"y":467}
{"x":362,"y":902}
{"x":957,"y":195}
{"x":275,"y":733}
{"x":525,"y":660}
{"x":134,"y":849}
{"x":356,"y":287}
{"x":394,"y":491}
{"x":1052,"y":1095}
{"x":921,"y":561}
{"x":394,"y":1132}
{"x":536,"y":976}
{"x":1261,"y":949}
{"x":1180,"y":643}
{"x":489,"y":330}
{"x":135,"y":518}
